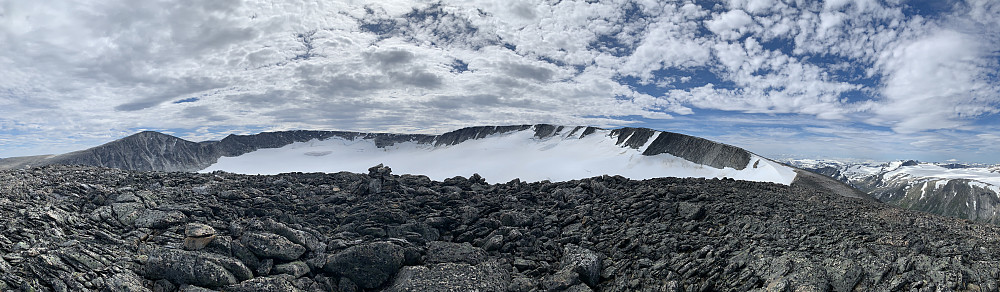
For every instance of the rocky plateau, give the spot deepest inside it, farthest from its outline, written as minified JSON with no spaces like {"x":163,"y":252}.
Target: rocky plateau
{"x":83,"y":228}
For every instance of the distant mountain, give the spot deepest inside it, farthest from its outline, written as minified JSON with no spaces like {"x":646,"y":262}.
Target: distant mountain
{"x":499,"y":153}
{"x":958,"y":190}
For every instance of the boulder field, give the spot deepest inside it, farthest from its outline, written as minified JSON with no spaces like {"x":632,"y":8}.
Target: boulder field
{"x":75,"y":228}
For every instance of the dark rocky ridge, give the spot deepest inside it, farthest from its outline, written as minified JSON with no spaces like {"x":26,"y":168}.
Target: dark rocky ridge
{"x":71,"y":228}
{"x":161,"y":152}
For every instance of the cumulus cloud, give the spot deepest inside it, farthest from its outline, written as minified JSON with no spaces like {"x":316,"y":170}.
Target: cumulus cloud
{"x":105,"y":69}
{"x":935,"y":82}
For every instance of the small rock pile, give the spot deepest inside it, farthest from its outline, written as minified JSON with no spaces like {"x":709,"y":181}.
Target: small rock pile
{"x":73,"y":228}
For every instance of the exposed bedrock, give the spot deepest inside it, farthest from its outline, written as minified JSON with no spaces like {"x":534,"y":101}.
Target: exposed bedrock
{"x":71,"y":228}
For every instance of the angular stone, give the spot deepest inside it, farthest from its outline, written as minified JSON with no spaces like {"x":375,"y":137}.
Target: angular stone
{"x":368,"y":265}
{"x":125,"y":281}
{"x":450,"y":252}
{"x":296,"y":236}
{"x":296,"y":269}
{"x":158,"y":219}
{"x":270,"y":245}
{"x":562,"y":280}
{"x":584,"y":262}
{"x":127,"y":213}
{"x":198,"y":236}
{"x":279,"y":283}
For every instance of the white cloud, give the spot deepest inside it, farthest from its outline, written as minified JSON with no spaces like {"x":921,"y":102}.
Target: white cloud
{"x":401,"y":65}
{"x":936,"y":82}
{"x":729,"y":25}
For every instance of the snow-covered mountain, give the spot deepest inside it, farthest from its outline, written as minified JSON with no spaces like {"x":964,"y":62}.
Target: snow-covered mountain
{"x":958,"y":190}
{"x":497,"y":153}
{"x":530,"y":154}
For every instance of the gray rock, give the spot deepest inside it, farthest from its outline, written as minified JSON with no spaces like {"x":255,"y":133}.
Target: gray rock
{"x":296,"y":269}
{"x":450,"y":252}
{"x":485,"y":277}
{"x":198,"y":236}
{"x":690,"y":211}
{"x":194,"y":268}
{"x":4,"y":266}
{"x":579,"y":288}
{"x":193,"y":288}
{"x":561,"y":280}
{"x":495,"y":242}
{"x":845,"y":275}
{"x":270,"y":245}
{"x":586,"y":263}
{"x":158,"y":219}
{"x":127,"y":213}
{"x":521,"y":284}
{"x":296,"y":236}
{"x":278,"y":283}
{"x":265,"y":267}
{"x":126,"y":281}
{"x":163,"y":285}
{"x":368,"y":265}
{"x":346,"y":285}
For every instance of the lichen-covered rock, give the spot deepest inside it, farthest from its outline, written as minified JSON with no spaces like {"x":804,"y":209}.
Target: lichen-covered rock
{"x":158,"y":219}
{"x":126,"y":281}
{"x":270,"y":245}
{"x":194,"y":268}
{"x":295,"y":269}
{"x":450,"y":252}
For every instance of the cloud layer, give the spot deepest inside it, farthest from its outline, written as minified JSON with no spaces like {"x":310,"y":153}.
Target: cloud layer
{"x":88,"y":72}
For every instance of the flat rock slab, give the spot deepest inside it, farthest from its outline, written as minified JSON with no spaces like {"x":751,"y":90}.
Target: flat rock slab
{"x":195,"y":268}
{"x":451,"y":252}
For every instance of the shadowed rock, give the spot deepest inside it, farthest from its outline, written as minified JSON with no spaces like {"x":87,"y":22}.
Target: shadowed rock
{"x":368,"y":265}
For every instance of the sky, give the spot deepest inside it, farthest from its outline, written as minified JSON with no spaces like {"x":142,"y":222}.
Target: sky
{"x":861,"y":79}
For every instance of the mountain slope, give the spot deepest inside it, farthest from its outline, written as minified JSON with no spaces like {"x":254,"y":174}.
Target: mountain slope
{"x":969,"y":192}
{"x":531,"y":153}
{"x":500,"y":153}
{"x":143,"y":151}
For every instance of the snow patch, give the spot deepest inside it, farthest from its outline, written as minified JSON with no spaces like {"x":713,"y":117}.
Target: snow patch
{"x":498,"y":158}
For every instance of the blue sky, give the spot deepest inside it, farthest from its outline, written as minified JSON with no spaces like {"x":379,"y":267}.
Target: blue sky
{"x":860,"y":79}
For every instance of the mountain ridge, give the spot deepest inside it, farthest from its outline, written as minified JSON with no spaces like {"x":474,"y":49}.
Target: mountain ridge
{"x":154,"y":151}
{"x":949,"y":189}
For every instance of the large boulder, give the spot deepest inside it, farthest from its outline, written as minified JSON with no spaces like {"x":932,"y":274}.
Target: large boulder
{"x":270,"y":245}
{"x":368,"y":265}
{"x":194,"y":268}
{"x":584,"y":262}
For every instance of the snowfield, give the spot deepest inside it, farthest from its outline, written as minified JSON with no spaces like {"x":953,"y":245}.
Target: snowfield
{"x":498,"y":158}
